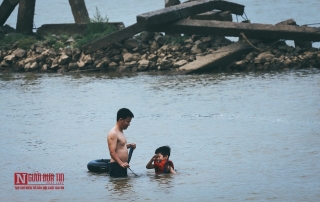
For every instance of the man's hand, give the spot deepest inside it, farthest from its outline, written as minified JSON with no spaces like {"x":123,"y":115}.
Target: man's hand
{"x":125,"y":165}
{"x":131,"y":145}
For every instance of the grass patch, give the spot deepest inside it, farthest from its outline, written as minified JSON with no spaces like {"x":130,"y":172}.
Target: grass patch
{"x":50,"y":40}
{"x":56,"y":43}
{"x":22,"y":41}
{"x":27,"y":42}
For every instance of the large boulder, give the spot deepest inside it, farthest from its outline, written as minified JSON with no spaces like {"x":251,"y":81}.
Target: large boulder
{"x":103,"y":63}
{"x":180,"y":63}
{"x":264,"y":57}
{"x":86,"y":59}
{"x":160,"y":39}
{"x":152,"y":57}
{"x":196,"y":50}
{"x":127,"y":57}
{"x":154,"y":46}
{"x":131,"y":43}
{"x":64,"y":59}
{"x":143,"y":65}
{"x":20,"y":53}
{"x":9,"y":58}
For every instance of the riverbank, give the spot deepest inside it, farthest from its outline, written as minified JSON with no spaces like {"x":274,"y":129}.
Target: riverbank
{"x":152,"y":52}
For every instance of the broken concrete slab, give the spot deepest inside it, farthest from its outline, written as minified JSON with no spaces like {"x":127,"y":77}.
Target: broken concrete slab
{"x":287,"y":22}
{"x":69,"y":28}
{"x":185,"y":10}
{"x":221,"y":57}
{"x":112,"y":38}
{"x":214,"y":15}
{"x":251,"y":30}
{"x":301,"y":44}
{"x":6,"y":9}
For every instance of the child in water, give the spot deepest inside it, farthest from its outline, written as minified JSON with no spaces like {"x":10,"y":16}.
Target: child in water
{"x":160,"y":161}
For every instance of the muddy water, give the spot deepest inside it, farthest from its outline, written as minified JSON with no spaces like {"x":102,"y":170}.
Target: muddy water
{"x":234,"y":137}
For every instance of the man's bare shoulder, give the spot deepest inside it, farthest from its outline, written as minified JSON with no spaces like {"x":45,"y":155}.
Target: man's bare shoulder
{"x":112,"y":133}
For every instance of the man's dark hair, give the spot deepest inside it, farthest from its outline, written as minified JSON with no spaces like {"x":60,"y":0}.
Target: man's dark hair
{"x":164,"y":150}
{"x":124,"y":113}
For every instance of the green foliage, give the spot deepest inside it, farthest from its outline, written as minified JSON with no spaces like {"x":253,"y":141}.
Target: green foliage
{"x":50,"y":40}
{"x":26,"y":42}
{"x":10,"y":39}
{"x":22,"y":41}
{"x":54,"y":42}
{"x":64,"y":37}
{"x":1,"y":36}
{"x":176,"y":40}
{"x":58,"y":45}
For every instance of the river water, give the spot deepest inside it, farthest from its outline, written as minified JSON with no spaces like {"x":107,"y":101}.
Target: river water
{"x":234,"y":137}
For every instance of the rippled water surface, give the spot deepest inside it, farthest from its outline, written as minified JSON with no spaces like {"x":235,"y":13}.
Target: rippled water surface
{"x":234,"y":137}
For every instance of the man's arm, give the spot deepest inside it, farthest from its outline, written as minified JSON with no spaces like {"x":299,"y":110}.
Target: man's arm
{"x":112,"y":145}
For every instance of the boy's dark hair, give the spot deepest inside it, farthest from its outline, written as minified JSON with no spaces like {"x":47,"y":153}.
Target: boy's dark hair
{"x":164,"y":150}
{"x":124,"y":113}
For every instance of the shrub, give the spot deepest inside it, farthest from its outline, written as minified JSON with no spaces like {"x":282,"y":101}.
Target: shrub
{"x":22,"y":41}
{"x":26,"y":43}
{"x":97,"y":27}
{"x":50,"y":40}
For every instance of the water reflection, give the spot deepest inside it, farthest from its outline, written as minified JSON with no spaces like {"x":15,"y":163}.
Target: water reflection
{"x":121,"y":188}
{"x":101,"y":74}
{"x":27,"y":77}
{"x":165,"y":182}
{"x":167,"y":76}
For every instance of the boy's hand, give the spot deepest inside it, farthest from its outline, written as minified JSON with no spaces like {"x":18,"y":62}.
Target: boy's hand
{"x":154,"y":157}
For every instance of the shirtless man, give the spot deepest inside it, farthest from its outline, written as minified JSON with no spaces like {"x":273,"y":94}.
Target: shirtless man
{"x":117,"y":144}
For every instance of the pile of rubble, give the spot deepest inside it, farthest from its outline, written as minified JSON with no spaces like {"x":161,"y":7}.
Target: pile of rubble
{"x":154,"y":52}
{"x":278,"y":56}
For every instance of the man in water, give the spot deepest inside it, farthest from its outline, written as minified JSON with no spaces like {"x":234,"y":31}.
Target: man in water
{"x":117,"y":144}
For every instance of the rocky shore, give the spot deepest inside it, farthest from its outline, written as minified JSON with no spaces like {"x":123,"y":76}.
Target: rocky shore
{"x":153,"y":52}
